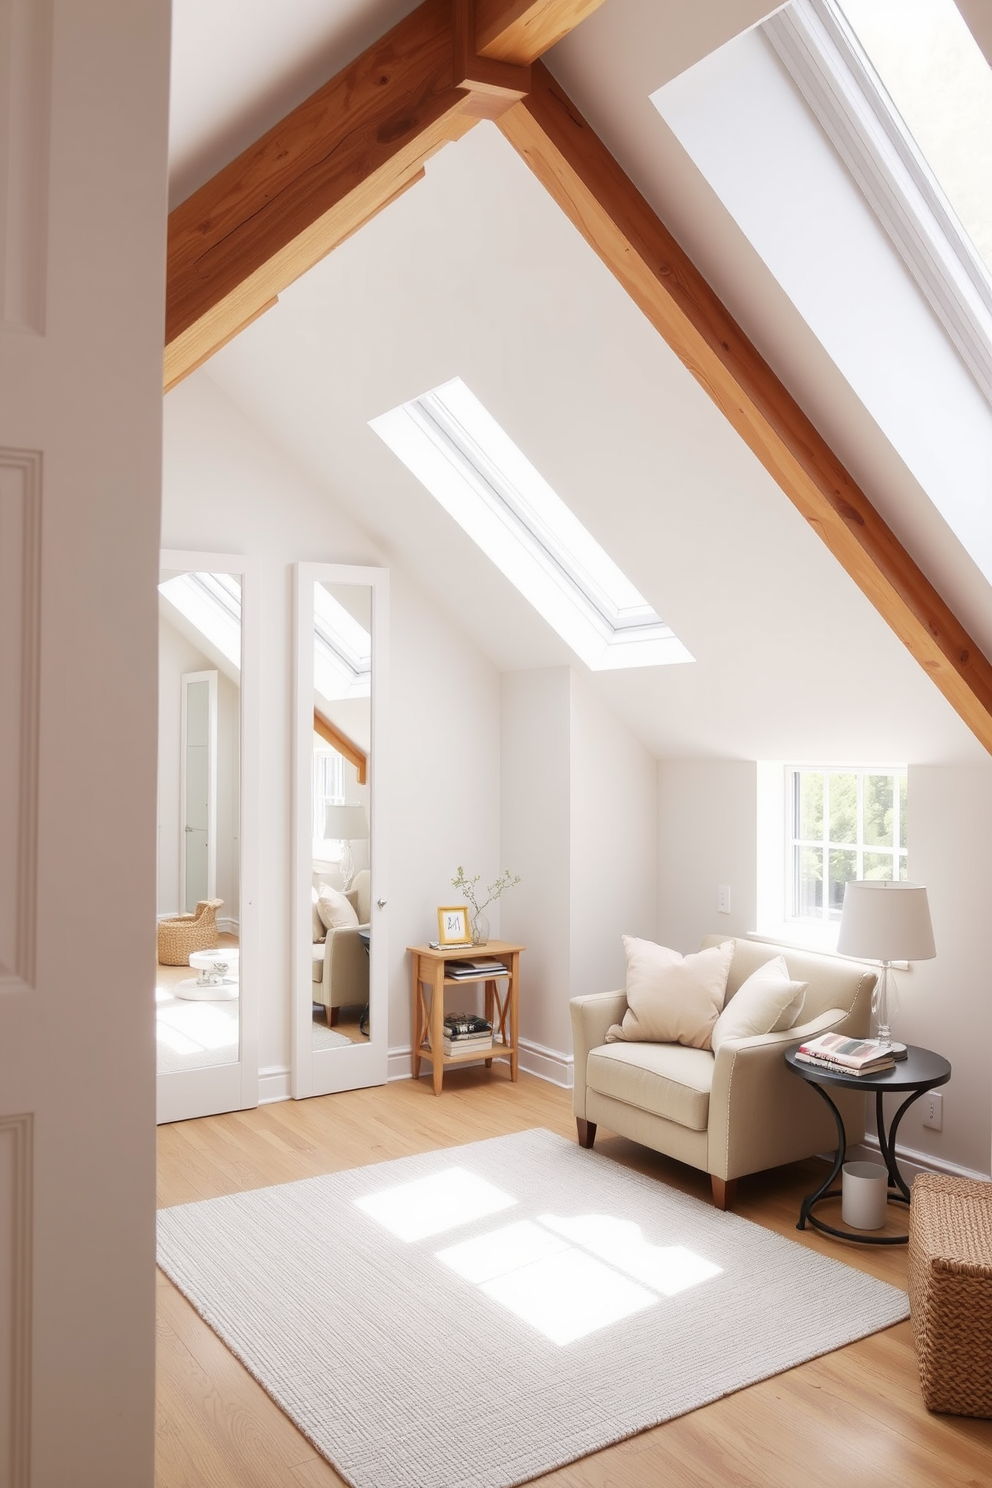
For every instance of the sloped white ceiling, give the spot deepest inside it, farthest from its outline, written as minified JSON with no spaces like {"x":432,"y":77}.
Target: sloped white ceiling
{"x":475,"y":272}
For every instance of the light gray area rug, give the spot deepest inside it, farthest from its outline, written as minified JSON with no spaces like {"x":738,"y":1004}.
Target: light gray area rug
{"x":506,"y":1307}
{"x":329,"y":1038}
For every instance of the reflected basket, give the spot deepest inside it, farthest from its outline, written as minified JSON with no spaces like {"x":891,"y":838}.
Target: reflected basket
{"x":181,"y":935}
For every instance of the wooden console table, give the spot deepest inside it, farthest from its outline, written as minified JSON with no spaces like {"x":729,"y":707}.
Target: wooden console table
{"x":501,"y":1008}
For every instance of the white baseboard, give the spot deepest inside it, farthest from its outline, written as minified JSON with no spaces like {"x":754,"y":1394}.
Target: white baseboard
{"x":911,"y":1163}
{"x":229,"y":927}
{"x":273,"y":1084}
{"x":547,"y":1064}
{"x":399,"y":1064}
{"x":535,"y":1059}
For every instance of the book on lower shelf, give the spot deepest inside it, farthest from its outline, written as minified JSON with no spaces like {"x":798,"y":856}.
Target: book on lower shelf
{"x":469,"y":971}
{"x":480,"y":1044}
{"x":854,"y":1056}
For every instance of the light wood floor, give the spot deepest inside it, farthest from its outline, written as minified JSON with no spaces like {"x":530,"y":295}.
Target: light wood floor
{"x":854,"y":1417}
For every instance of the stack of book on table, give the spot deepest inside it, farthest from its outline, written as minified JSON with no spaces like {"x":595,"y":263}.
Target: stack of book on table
{"x":476,"y":971}
{"x":467,"y":1033}
{"x":846,"y":1056}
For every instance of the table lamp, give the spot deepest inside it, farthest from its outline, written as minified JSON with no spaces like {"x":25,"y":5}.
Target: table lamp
{"x":346,"y":824}
{"x":884,"y":921}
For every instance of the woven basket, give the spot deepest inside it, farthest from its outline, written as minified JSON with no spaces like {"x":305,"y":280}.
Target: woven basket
{"x":950,"y":1292}
{"x":179,"y":937}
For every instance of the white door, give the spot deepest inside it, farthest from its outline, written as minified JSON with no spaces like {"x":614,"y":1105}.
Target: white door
{"x":83,"y":121}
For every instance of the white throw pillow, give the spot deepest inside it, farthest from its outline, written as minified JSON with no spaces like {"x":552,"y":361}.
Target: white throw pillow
{"x":767,"y":1002}
{"x":335,"y":910}
{"x":672,"y":999}
{"x":317,"y":928}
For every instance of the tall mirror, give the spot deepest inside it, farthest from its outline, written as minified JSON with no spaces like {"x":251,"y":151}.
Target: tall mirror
{"x":198,"y":981}
{"x":341,"y":1040}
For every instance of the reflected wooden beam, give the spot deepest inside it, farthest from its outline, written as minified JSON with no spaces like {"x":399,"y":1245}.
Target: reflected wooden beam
{"x":321,"y":173}
{"x":344,"y":746}
{"x":566,"y":155}
{"x":523,"y":30}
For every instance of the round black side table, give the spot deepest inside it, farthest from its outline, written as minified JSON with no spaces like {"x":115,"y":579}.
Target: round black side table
{"x":920,"y":1071}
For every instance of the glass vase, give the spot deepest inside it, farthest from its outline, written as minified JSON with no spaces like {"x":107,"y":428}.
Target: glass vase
{"x":480,"y":928}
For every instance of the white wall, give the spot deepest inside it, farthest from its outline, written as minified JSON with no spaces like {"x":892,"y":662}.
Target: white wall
{"x":578,"y":809}
{"x":706,"y":838}
{"x":946,"y":1004}
{"x":535,"y":842}
{"x":226,"y":489}
{"x":614,"y":835}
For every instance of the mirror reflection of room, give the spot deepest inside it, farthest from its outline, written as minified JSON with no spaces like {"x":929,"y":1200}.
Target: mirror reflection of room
{"x":341,"y":891}
{"x":197,"y":980}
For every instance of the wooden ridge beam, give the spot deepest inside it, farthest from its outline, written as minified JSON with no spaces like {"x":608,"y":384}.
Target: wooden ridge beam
{"x":346,"y":747}
{"x":573,"y":164}
{"x":522,"y":30}
{"x":320,"y":174}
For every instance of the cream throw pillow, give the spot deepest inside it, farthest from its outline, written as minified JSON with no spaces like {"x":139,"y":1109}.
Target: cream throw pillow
{"x":317,"y":928}
{"x":334,"y":909}
{"x":672,"y":999}
{"x":767,"y":1002}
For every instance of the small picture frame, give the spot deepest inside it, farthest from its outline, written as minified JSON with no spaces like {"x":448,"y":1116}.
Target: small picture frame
{"x":452,"y":925}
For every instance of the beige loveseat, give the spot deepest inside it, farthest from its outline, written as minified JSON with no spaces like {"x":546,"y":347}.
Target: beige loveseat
{"x":740,"y":1111}
{"x":340,"y":962}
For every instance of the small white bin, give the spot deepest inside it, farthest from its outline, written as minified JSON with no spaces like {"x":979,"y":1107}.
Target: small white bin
{"x":864,"y":1195}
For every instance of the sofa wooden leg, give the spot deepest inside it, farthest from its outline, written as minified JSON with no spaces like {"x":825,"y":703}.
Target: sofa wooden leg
{"x":724,"y":1191}
{"x":587,"y":1131}
{"x":332,"y":1016}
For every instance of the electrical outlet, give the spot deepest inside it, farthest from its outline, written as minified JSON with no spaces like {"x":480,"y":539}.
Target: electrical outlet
{"x":723,"y":899}
{"x":933,"y":1110}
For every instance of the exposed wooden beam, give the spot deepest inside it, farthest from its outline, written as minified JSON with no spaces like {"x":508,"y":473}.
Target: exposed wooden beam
{"x":523,"y":30}
{"x":574,"y":165}
{"x":344,"y":746}
{"x":320,"y":174}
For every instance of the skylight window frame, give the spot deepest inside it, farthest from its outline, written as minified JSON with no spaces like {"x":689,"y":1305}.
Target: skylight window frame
{"x":487,"y":485}
{"x":819,"y":49}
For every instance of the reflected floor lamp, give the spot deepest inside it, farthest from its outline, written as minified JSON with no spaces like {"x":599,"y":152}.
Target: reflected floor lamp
{"x":883,"y":921}
{"x":346,"y":824}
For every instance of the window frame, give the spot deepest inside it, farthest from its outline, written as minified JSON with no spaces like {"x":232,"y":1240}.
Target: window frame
{"x":822,"y":55}
{"x":794,"y":843}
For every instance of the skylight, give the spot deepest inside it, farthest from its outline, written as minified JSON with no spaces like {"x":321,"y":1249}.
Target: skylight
{"x":939,"y":81}
{"x":342,"y":660}
{"x":212,"y":605}
{"x":458,"y":451}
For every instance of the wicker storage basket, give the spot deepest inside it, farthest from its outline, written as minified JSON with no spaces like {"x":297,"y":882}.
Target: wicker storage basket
{"x":179,"y":937}
{"x":950,"y":1292}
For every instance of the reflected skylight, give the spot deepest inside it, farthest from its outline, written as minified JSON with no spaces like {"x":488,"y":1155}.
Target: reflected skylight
{"x":458,"y":451}
{"x":212,"y":604}
{"x":342,"y":658}
{"x":940,"y":83}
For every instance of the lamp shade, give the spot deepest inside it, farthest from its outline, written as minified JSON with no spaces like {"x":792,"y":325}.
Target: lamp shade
{"x":345,"y":823}
{"x":883,"y":921}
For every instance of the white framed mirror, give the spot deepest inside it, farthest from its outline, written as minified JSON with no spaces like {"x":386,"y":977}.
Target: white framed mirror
{"x":207,"y":952}
{"x":339,"y":881}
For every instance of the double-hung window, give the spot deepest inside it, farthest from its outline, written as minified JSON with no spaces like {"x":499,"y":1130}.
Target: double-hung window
{"x":842,"y":824}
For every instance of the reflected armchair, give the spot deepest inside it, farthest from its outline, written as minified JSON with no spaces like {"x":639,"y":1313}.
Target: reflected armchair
{"x":340,"y":966}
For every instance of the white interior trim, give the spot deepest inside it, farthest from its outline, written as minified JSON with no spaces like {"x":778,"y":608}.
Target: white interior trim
{"x":822,"y":57}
